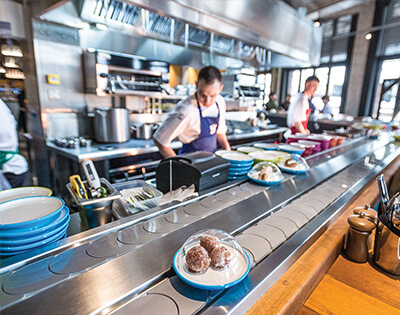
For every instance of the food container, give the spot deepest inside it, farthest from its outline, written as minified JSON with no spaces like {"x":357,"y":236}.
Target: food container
{"x":211,"y":273}
{"x":144,"y":131}
{"x":324,"y":140}
{"x":308,"y":148}
{"x":291,"y":149}
{"x":333,"y":142}
{"x":129,"y":188}
{"x":96,"y":211}
{"x":265,"y":173}
{"x":316,"y":144}
{"x":300,"y":167}
{"x":340,"y":140}
{"x":296,"y":138}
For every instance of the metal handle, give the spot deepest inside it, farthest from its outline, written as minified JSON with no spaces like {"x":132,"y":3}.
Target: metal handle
{"x":383,"y":191}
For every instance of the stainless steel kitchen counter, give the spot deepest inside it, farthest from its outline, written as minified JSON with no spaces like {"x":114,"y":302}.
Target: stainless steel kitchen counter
{"x":127,"y":273}
{"x":138,"y":147}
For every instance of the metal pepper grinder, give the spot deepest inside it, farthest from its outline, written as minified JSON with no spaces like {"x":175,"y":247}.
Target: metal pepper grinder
{"x":356,"y":244}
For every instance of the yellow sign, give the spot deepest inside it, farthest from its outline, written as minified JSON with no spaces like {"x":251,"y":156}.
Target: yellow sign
{"x":53,"y":79}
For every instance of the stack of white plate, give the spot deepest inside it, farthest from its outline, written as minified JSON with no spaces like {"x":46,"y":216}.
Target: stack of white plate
{"x":30,"y":223}
{"x":240,"y":164}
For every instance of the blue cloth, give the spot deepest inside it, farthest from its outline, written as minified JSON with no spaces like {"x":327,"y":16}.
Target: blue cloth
{"x":207,"y":140}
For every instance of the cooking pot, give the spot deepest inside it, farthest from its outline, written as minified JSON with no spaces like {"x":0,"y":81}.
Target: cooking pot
{"x":144,"y":131}
{"x":111,"y":125}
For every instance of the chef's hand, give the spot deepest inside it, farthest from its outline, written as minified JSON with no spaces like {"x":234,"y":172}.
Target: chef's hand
{"x":165,"y":151}
{"x":223,"y":141}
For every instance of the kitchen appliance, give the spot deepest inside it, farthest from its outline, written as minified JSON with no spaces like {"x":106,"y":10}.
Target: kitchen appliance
{"x":111,"y":125}
{"x":144,"y":131}
{"x":203,"y":169}
{"x":387,"y":239}
{"x":241,"y":85}
{"x":122,"y":74}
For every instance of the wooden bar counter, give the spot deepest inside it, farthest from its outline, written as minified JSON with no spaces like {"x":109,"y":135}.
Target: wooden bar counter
{"x":321,"y":281}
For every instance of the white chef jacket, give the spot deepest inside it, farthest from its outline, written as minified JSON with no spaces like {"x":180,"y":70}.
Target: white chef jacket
{"x":184,"y":121}
{"x":9,"y":141}
{"x":297,"y":110}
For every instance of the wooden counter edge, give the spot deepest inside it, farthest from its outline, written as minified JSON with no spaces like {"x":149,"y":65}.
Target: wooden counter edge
{"x":291,"y":291}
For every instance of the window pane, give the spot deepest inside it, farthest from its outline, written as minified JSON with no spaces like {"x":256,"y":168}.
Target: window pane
{"x":336,"y":81}
{"x":322,"y":74}
{"x":344,"y":25}
{"x":294,"y":82}
{"x":305,"y":73}
{"x":327,"y":28}
{"x":390,"y":70}
{"x":386,"y":107}
{"x":339,"y":50}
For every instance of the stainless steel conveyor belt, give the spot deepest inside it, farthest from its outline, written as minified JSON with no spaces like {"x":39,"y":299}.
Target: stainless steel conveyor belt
{"x":125,"y":267}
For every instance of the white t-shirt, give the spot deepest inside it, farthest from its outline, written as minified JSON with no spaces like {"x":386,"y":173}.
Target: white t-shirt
{"x":184,"y":121}
{"x":297,"y":110}
{"x":9,"y":141}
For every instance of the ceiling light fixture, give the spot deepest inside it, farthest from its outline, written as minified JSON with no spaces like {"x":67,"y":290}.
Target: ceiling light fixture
{"x":9,"y":62}
{"x":317,"y":23}
{"x":368,"y":36}
{"x":11,"y":50}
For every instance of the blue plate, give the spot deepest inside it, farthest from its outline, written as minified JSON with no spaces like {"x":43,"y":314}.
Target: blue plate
{"x":237,"y":158}
{"x":37,"y":229}
{"x":291,"y":149}
{"x":5,"y":255}
{"x":31,"y":204}
{"x":237,"y":177}
{"x":37,"y":237}
{"x":267,"y":146}
{"x":266,"y":182}
{"x":290,"y":170}
{"x":240,"y":168}
{"x":241,"y":173}
{"x":180,"y":272}
{"x":14,"y":249}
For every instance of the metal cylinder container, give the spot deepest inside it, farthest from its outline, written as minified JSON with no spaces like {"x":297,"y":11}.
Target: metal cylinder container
{"x":111,"y":125}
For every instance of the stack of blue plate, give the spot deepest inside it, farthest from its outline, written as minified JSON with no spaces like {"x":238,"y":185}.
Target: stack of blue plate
{"x":240,"y":164}
{"x":32,"y":222}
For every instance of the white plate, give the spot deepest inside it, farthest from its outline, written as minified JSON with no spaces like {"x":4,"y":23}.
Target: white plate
{"x":213,"y":278}
{"x":237,"y":157}
{"x":249,"y":149}
{"x":21,"y":192}
{"x":31,"y":209}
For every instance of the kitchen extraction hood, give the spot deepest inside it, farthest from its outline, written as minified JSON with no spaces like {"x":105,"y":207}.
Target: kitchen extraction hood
{"x":262,"y":33}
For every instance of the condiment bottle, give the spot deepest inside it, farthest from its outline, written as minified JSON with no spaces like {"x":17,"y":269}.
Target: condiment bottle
{"x":356,"y":247}
{"x":368,"y":211}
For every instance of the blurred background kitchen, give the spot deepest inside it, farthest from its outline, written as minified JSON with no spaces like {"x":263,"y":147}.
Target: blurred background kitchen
{"x":91,"y":79}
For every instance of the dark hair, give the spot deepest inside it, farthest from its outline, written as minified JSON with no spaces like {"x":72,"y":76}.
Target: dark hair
{"x":209,"y":74}
{"x":325,"y":97}
{"x":312,"y":78}
{"x":272,"y":93}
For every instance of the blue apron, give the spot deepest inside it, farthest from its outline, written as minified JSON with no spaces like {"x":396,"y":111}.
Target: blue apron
{"x":205,"y":141}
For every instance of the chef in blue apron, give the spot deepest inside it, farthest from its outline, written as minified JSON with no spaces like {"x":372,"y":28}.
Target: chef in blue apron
{"x":199,"y":120}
